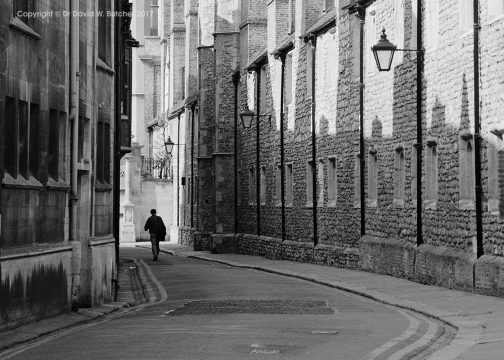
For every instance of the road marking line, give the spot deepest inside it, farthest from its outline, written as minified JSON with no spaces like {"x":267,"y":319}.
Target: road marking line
{"x":156,"y":282}
{"x":423,"y":341}
{"x":411,"y":330}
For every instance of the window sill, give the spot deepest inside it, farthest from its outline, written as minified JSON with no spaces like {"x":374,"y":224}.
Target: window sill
{"x":430,"y":204}
{"x":21,"y":183}
{"x":398,"y":203}
{"x":33,"y":251}
{"x":101,"y":187}
{"x":372,"y":203}
{"x":494,"y":206}
{"x":357,"y":204}
{"x":309,"y":204}
{"x":57,"y":185}
{"x":289,"y":205}
{"x":103,"y":66}
{"x":16,"y":24}
{"x":466,"y":205}
{"x":331,"y":204}
{"x":252,"y":203}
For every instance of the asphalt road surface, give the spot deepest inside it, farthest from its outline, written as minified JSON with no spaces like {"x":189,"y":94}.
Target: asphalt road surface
{"x":211,"y":311}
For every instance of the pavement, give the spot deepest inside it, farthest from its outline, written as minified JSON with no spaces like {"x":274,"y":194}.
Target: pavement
{"x":478,"y":319}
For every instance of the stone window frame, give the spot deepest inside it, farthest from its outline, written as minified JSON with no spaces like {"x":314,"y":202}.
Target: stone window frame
{"x":104,"y":41}
{"x":467,"y":194}
{"x":432,"y":25}
{"x":289,"y":186}
{"x":263,"y":185}
{"x":320,"y":182}
{"x":278,"y":184}
{"x":309,"y":184}
{"x":495,"y":155}
{"x":357,"y":182}
{"x":103,"y":149}
{"x":291,"y":21}
{"x":23,"y":24}
{"x":431,"y":175}
{"x":370,"y":40}
{"x":22,"y":146}
{"x":252,"y":200}
{"x":151,"y":24}
{"x":328,"y":5}
{"x":399,"y":177}
{"x":495,"y":10}
{"x":332,"y":181}
{"x":465,"y":12}
{"x":372,"y":183}
{"x":399,"y":30}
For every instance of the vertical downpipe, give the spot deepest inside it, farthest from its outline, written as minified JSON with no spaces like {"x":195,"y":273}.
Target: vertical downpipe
{"x":236,"y":82}
{"x":477,"y":135}
{"x":178,"y":174}
{"x":258,"y":149}
{"x":362,"y":16}
{"x":420,"y":59}
{"x":74,"y":125}
{"x":313,"y":43}
{"x":193,"y":106}
{"x":282,"y":165}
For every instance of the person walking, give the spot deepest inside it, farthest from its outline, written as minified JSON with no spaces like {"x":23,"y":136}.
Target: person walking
{"x":157,"y":231}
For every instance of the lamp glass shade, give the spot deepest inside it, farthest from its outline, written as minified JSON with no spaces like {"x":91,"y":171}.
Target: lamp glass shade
{"x":384,"y":53}
{"x":246,"y":118}
{"x":169,"y":145}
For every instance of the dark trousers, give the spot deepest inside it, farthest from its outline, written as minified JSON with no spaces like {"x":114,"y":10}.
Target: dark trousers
{"x":155,"y":245}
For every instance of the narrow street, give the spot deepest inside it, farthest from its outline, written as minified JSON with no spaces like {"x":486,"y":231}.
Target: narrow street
{"x":206,"y":311}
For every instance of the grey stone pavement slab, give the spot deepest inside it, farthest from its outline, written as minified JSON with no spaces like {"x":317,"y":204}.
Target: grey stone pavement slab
{"x":479,"y":319}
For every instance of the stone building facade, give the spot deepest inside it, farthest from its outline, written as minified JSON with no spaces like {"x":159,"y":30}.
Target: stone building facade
{"x":329,"y":173}
{"x":62,"y":112}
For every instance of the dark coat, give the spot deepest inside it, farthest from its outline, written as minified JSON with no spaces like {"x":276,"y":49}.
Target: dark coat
{"x":155,"y":226}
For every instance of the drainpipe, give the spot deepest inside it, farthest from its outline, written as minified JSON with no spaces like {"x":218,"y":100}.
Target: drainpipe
{"x":178,"y":171}
{"x":282,"y":165}
{"x":74,"y":121}
{"x":313,"y":43}
{"x":193,"y":106}
{"x":361,"y":13}
{"x":236,"y":82}
{"x":418,"y":145}
{"x":477,"y":135}
{"x":258,"y":149}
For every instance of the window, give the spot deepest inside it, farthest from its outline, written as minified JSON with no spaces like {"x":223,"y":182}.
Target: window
{"x":22,"y":150}
{"x":372,"y":179}
{"x":466,"y":173}
{"x":104,"y":32}
{"x":399,"y":168}
{"x":432,"y":26}
{"x":289,"y":188}
{"x":309,"y":183}
{"x":370,"y":39}
{"x":357,"y":182}
{"x":155,"y":90}
{"x":356,"y":29}
{"x":465,"y":16}
{"x":332,"y":186}
{"x":262,"y":197}
{"x":321,"y":183}
{"x":262,"y":90}
{"x":328,"y":5}
{"x":251,"y":90}
{"x":288,"y":80}
{"x":431,"y":175}
{"x":103,"y":150}
{"x":278,"y":184}
{"x":34,"y":135}
{"x":152,"y":18}
{"x":252,"y":186}
{"x":21,"y":8}
{"x":495,"y":154}
{"x":495,"y":8}
{"x":292,"y":16}
{"x":56,"y":148}
{"x":399,"y":20}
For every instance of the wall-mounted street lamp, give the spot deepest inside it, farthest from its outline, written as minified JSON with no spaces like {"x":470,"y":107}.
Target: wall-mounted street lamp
{"x":169,"y":146}
{"x":247,"y":117}
{"x":383,"y":52}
